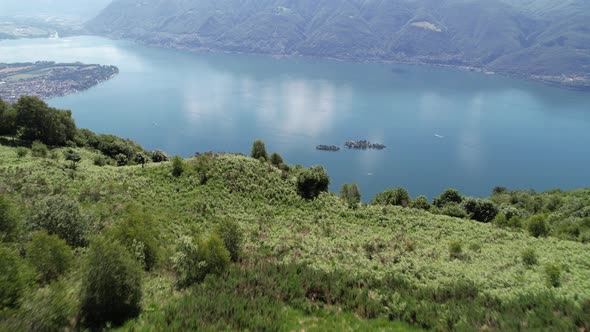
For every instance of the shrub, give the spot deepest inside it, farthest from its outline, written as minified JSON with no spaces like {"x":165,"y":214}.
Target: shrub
{"x":258,"y":150}
{"x":480,"y":210}
{"x":194,"y":261}
{"x":138,"y":232}
{"x":121,"y":159}
{"x":100,"y":160}
{"x":537,"y":226}
{"x":73,"y":156}
{"x":553,"y":275}
{"x":111,"y":284}
{"x":9,"y":220}
{"x":159,"y":156}
{"x":351,"y":194}
{"x":455,"y":250}
{"x":12,"y":280}
{"x":61,"y":216}
{"x":177,"y":166}
{"x":21,"y":152}
{"x":39,"y":150}
{"x":529,"y":257}
{"x":49,"y":256}
{"x":232,"y":235}
{"x":422,"y":203}
{"x":312,"y":181}
{"x":453,"y":210}
{"x":447,"y":197}
{"x":398,"y":196}
{"x":276,"y":159}
{"x":142,"y":159}
{"x":48,"y":309}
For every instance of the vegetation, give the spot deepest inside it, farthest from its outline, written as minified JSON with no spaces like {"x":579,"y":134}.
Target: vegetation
{"x":49,"y":255}
{"x":313,"y":181}
{"x":351,"y":194}
{"x":259,"y":150}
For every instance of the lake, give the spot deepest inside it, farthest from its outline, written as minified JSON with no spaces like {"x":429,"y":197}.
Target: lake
{"x":442,"y":127}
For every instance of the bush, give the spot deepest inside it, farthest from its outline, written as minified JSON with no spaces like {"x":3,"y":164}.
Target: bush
{"x":529,"y":257}
{"x":553,"y":275}
{"x":232,"y":235}
{"x":39,"y":150}
{"x":177,"y":166}
{"x":193,"y":262}
{"x":61,"y":216}
{"x":422,"y":203}
{"x":455,"y":250}
{"x":21,"y":152}
{"x":312,"y":181}
{"x":453,"y":210}
{"x":398,"y":196}
{"x":159,"y":156}
{"x":73,"y":156}
{"x":276,"y":159}
{"x":480,"y":210}
{"x":49,"y":256}
{"x":121,"y":159}
{"x":351,"y":194}
{"x":100,"y":160}
{"x":259,"y":150}
{"x":9,"y":221}
{"x":449,"y":196}
{"x":537,"y":226}
{"x":138,"y":232}
{"x":111,"y":284}
{"x":142,"y":159}
{"x":12,"y":280}
{"x":48,"y":309}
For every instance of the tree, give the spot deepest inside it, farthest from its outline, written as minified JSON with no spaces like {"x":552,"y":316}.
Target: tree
{"x":9,"y":221}
{"x":276,"y":159}
{"x":259,"y":150}
{"x":7,"y":119}
{"x":141,"y":158}
{"x":177,"y":166}
{"x":39,"y":150}
{"x":111,"y":284}
{"x":12,"y":280}
{"x":61,"y":216}
{"x":396,"y":197}
{"x":537,"y":226}
{"x":447,"y":197}
{"x":194,"y":261}
{"x":159,"y":156}
{"x":232,"y":235}
{"x":49,"y":255}
{"x":37,"y":121}
{"x":73,"y":156}
{"x":422,"y":203}
{"x":312,"y":181}
{"x":480,"y":210}
{"x":351,"y":194}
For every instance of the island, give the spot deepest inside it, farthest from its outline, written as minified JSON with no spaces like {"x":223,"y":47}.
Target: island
{"x":363,"y":145}
{"x":327,"y":148}
{"x":49,"y":79}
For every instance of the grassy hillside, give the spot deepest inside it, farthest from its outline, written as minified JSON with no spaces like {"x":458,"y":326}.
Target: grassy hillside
{"x":544,"y":40}
{"x":312,"y":265}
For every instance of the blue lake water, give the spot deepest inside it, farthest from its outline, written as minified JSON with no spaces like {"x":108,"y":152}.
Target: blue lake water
{"x":443,"y":127}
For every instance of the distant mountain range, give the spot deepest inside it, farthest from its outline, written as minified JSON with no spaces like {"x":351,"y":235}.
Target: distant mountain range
{"x":546,"y":40}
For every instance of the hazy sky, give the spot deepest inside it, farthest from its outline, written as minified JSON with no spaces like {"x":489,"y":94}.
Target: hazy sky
{"x":81,"y":8}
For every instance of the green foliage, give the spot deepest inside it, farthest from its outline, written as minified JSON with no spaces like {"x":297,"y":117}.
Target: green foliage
{"x":12,"y":280}
{"x":351,"y":194}
{"x":455,"y":250}
{"x":39,"y":150}
{"x":37,"y":121}
{"x":49,"y":256}
{"x":449,"y":196}
{"x":233,"y":237}
{"x":553,"y":275}
{"x":22,"y":152}
{"x":276,"y":159}
{"x":177,"y":166}
{"x":142,"y":159}
{"x":312,"y":181}
{"x":9,"y":220}
{"x":422,"y":203}
{"x":72,"y":156}
{"x":61,"y":216}
{"x":100,"y":160}
{"x":47,"y":309}
{"x":529,"y":257}
{"x":398,"y":196}
{"x":111,"y":284}
{"x":453,"y":210}
{"x":259,"y":150}
{"x":139,"y":233}
{"x":121,"y":159}
{"x":159,"y":156}
{"x":7,"y":119}
{"x":537,"y":226}
{"x":480,"y":210}
{"x":194,"y":261}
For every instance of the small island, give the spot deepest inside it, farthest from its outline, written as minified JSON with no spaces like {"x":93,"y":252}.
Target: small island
{"x":327,"y":148}
{"x":363,"y":145}
{"x":49,"y":79}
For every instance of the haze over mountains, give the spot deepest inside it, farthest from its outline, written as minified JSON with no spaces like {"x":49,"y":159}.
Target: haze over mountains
{"x":542,"y":39}
{"x":84,"y":9}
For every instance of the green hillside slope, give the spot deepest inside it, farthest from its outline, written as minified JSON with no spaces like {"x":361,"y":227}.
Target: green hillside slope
{"x":542,"y":40}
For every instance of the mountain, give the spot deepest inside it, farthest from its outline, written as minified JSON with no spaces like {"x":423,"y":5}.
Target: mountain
{"x":543,"y":40}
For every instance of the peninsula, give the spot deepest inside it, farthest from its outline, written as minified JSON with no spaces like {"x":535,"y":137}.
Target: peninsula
{"x":50,"y":79}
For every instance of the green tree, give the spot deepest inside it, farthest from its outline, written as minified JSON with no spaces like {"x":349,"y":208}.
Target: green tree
{"x":312,"y":181}
{"x":61,"y":216}
{"x":142,"y":159}
{"x":12,"y":279}
{"x":233,"y":237}
{"x":7,"y":120}
{"x":49,"y":255}
{"x":39,"y":150}
{"x":398,"y":196}
{"x":480,"y":210}
{"x":537,"y":226}
{"x":259,"y":150}
{"x":21,"y":152}
{"x":37,"y":121}
{"x":194,"y":261}
{"x":447,"y":197}
{"x":159,"y":156}
{"x":276,"y":159}
{"x":177,"y":166}
{"x":9,"y":220}
{"x":72,"y":156}
{"x":351,"y":194}
{"x":422,"y":203}
{"x":111,"y":284}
